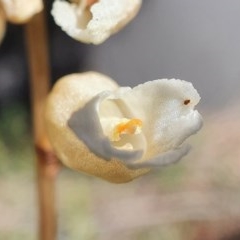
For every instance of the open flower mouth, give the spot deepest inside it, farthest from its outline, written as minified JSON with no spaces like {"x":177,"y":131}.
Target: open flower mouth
{"x":119,"y":130}
{"x":106,"y":136}
{"x":113,"y":125}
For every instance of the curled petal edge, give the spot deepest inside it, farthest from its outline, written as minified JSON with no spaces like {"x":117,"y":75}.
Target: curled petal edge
{"x":164,"y":159}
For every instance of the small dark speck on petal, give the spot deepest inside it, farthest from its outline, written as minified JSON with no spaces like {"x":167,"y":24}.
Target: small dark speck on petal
{"x":186,"y":102}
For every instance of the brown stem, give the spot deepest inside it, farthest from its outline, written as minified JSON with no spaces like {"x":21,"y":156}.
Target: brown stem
{"x":47,"y":163}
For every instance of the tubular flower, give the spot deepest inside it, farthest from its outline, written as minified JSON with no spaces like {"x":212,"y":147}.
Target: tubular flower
{"x":94,"y":21}
{"x":119,"y":133}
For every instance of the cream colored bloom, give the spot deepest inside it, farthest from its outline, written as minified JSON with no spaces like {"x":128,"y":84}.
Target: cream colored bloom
{"x":119,"y":133}
{"x":95,"y":23}
{"x":17,"y":11}
{"x":20,"y":11}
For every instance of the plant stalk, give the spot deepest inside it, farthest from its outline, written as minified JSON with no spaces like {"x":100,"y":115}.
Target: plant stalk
{"x":47,"y":163}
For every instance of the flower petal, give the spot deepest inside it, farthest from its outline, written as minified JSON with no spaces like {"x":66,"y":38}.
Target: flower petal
{"x":163,"y":159}
{"x":97,"y":23}
{"x":167,"y":109}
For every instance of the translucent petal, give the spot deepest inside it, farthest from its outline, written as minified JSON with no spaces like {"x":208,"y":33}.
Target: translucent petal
{"x":163,"y":159}
{"x":167,"y":109}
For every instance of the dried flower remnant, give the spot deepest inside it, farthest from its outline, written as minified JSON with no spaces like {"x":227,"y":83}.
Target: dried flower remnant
{"x":94,"y":21}
{"x":119,"y":133}
{"x":20,"y":11}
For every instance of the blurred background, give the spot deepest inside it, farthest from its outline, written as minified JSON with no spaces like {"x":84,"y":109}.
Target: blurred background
{"x":199,"y":198}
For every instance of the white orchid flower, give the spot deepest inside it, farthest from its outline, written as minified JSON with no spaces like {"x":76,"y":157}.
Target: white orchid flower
{"x":94,"y":22}
{"x":119,"y":133}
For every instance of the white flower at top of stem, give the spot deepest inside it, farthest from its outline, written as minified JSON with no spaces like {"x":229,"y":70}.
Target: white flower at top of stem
{"x":139,"y":128}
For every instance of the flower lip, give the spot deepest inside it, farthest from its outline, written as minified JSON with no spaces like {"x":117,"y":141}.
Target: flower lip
{"x":85,"y":123}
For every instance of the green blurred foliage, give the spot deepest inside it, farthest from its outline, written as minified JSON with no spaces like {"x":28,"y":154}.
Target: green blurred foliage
{"x":16,"y":146}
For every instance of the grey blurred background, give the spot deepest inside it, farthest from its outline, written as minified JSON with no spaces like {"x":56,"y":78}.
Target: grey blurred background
{"x":198,"y":41}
